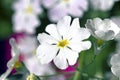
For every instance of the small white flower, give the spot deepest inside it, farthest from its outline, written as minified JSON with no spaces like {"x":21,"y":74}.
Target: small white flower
{"x":27,"y":46}
{"x":102,"y":29}
{"x":12,"y":62}
{"x":63,"y":43}
{"x":25,"y":17}
{"x":115,"y":62}
{"x":57,"y":9}
{"x":33,"y":65}
{"x":103,"y":5}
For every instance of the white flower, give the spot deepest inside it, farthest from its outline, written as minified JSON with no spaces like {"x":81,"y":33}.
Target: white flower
{"x":26,"y":15}
{"x":27,"y":46}
{"x":35,"y":67}
{"x":57,"y":9}
{"x":103,"y":5}
{"x":63,"y":43}
{"x":102,"y":29}
{"x":12,"y":62}
{"x":115,"y":62}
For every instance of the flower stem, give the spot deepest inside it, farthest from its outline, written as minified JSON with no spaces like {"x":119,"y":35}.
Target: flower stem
{"x":78,"y":74}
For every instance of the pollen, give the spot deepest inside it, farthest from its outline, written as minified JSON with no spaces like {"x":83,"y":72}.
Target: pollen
{"x":29,"y":9}
{"x":63,"y":43}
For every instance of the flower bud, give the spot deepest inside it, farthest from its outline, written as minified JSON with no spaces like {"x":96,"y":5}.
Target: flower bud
{"x":32,"y":77}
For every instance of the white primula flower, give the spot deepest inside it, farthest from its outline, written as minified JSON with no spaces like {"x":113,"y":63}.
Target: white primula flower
{"x":103,"y":5}
{"x":63,"y":43}
{"x":57,"y":9}
{"x":27,"y":46}
{"x":102,"y":29}
{"x":35,"y":67}
{"x":13,"y":61}
{"x":26,"y":15}
{"x":115,"y":64}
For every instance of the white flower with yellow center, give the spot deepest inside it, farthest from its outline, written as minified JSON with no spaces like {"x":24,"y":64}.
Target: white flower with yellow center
{"x":13,"y":62}
{"x":57,"y":9}
{"x":26,"y":15}
{"x":63,"y":43}
{"x":102,"y":29}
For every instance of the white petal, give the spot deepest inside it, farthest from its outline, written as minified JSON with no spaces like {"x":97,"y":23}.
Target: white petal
{"x":75,"y":23}
{"x":52,"y":30}
{"x":46,"y":53}
{"x":35,"y":67}
{"x":57,"y":12}
{"x":78,"y":35}
{"x":60,"y":60}
{"x":115,"y":59}
{"x":109,"y":35}
{"x":48,"y":3}
{"x":43,"y":37}
{"x":84,"y":33}
{"x":116,"y":70}
{"x":75,"y":11}
{"x":71,"y":56}
{"x":63,"y":25}
{"x":80,"y":46}
{"x":114,"y":28}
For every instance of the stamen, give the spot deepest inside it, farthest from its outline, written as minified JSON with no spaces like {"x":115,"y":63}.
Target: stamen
{"x":63,"y":43}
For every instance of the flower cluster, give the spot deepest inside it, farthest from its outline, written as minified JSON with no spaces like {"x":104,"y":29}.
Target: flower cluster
{"x":80,"y":39}
{"x":25,"y":17}
{"x":57,"y":9}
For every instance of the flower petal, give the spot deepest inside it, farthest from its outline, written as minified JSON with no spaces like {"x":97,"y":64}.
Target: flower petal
{"x":80,"y":46}
{"x":71,"y":56}
{"x":83,"y":33}
{"x":45,"y":38}
{"x":52,"y":30}
{"x":75,"y":23}
{"x":63,"y":25}
{"x":116,"y":70}
{"x":35,"y":67}
{"x":57,"y":12}
{"x":46,"y":53}
{"x":115,"y":59}
{"x":48,"y":3}
{"x":60,"y":60}
{"x":109,"y":35}
{"x":78,"y":35}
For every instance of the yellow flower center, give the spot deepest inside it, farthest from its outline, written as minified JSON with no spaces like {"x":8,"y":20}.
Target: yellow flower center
{"x":63,"y":43}
{"x":32,"y":77}
{"x":17,"y":64}
{"x":100,"y":42}
{"x":29,"y":9}
{"x":66,"y":1}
